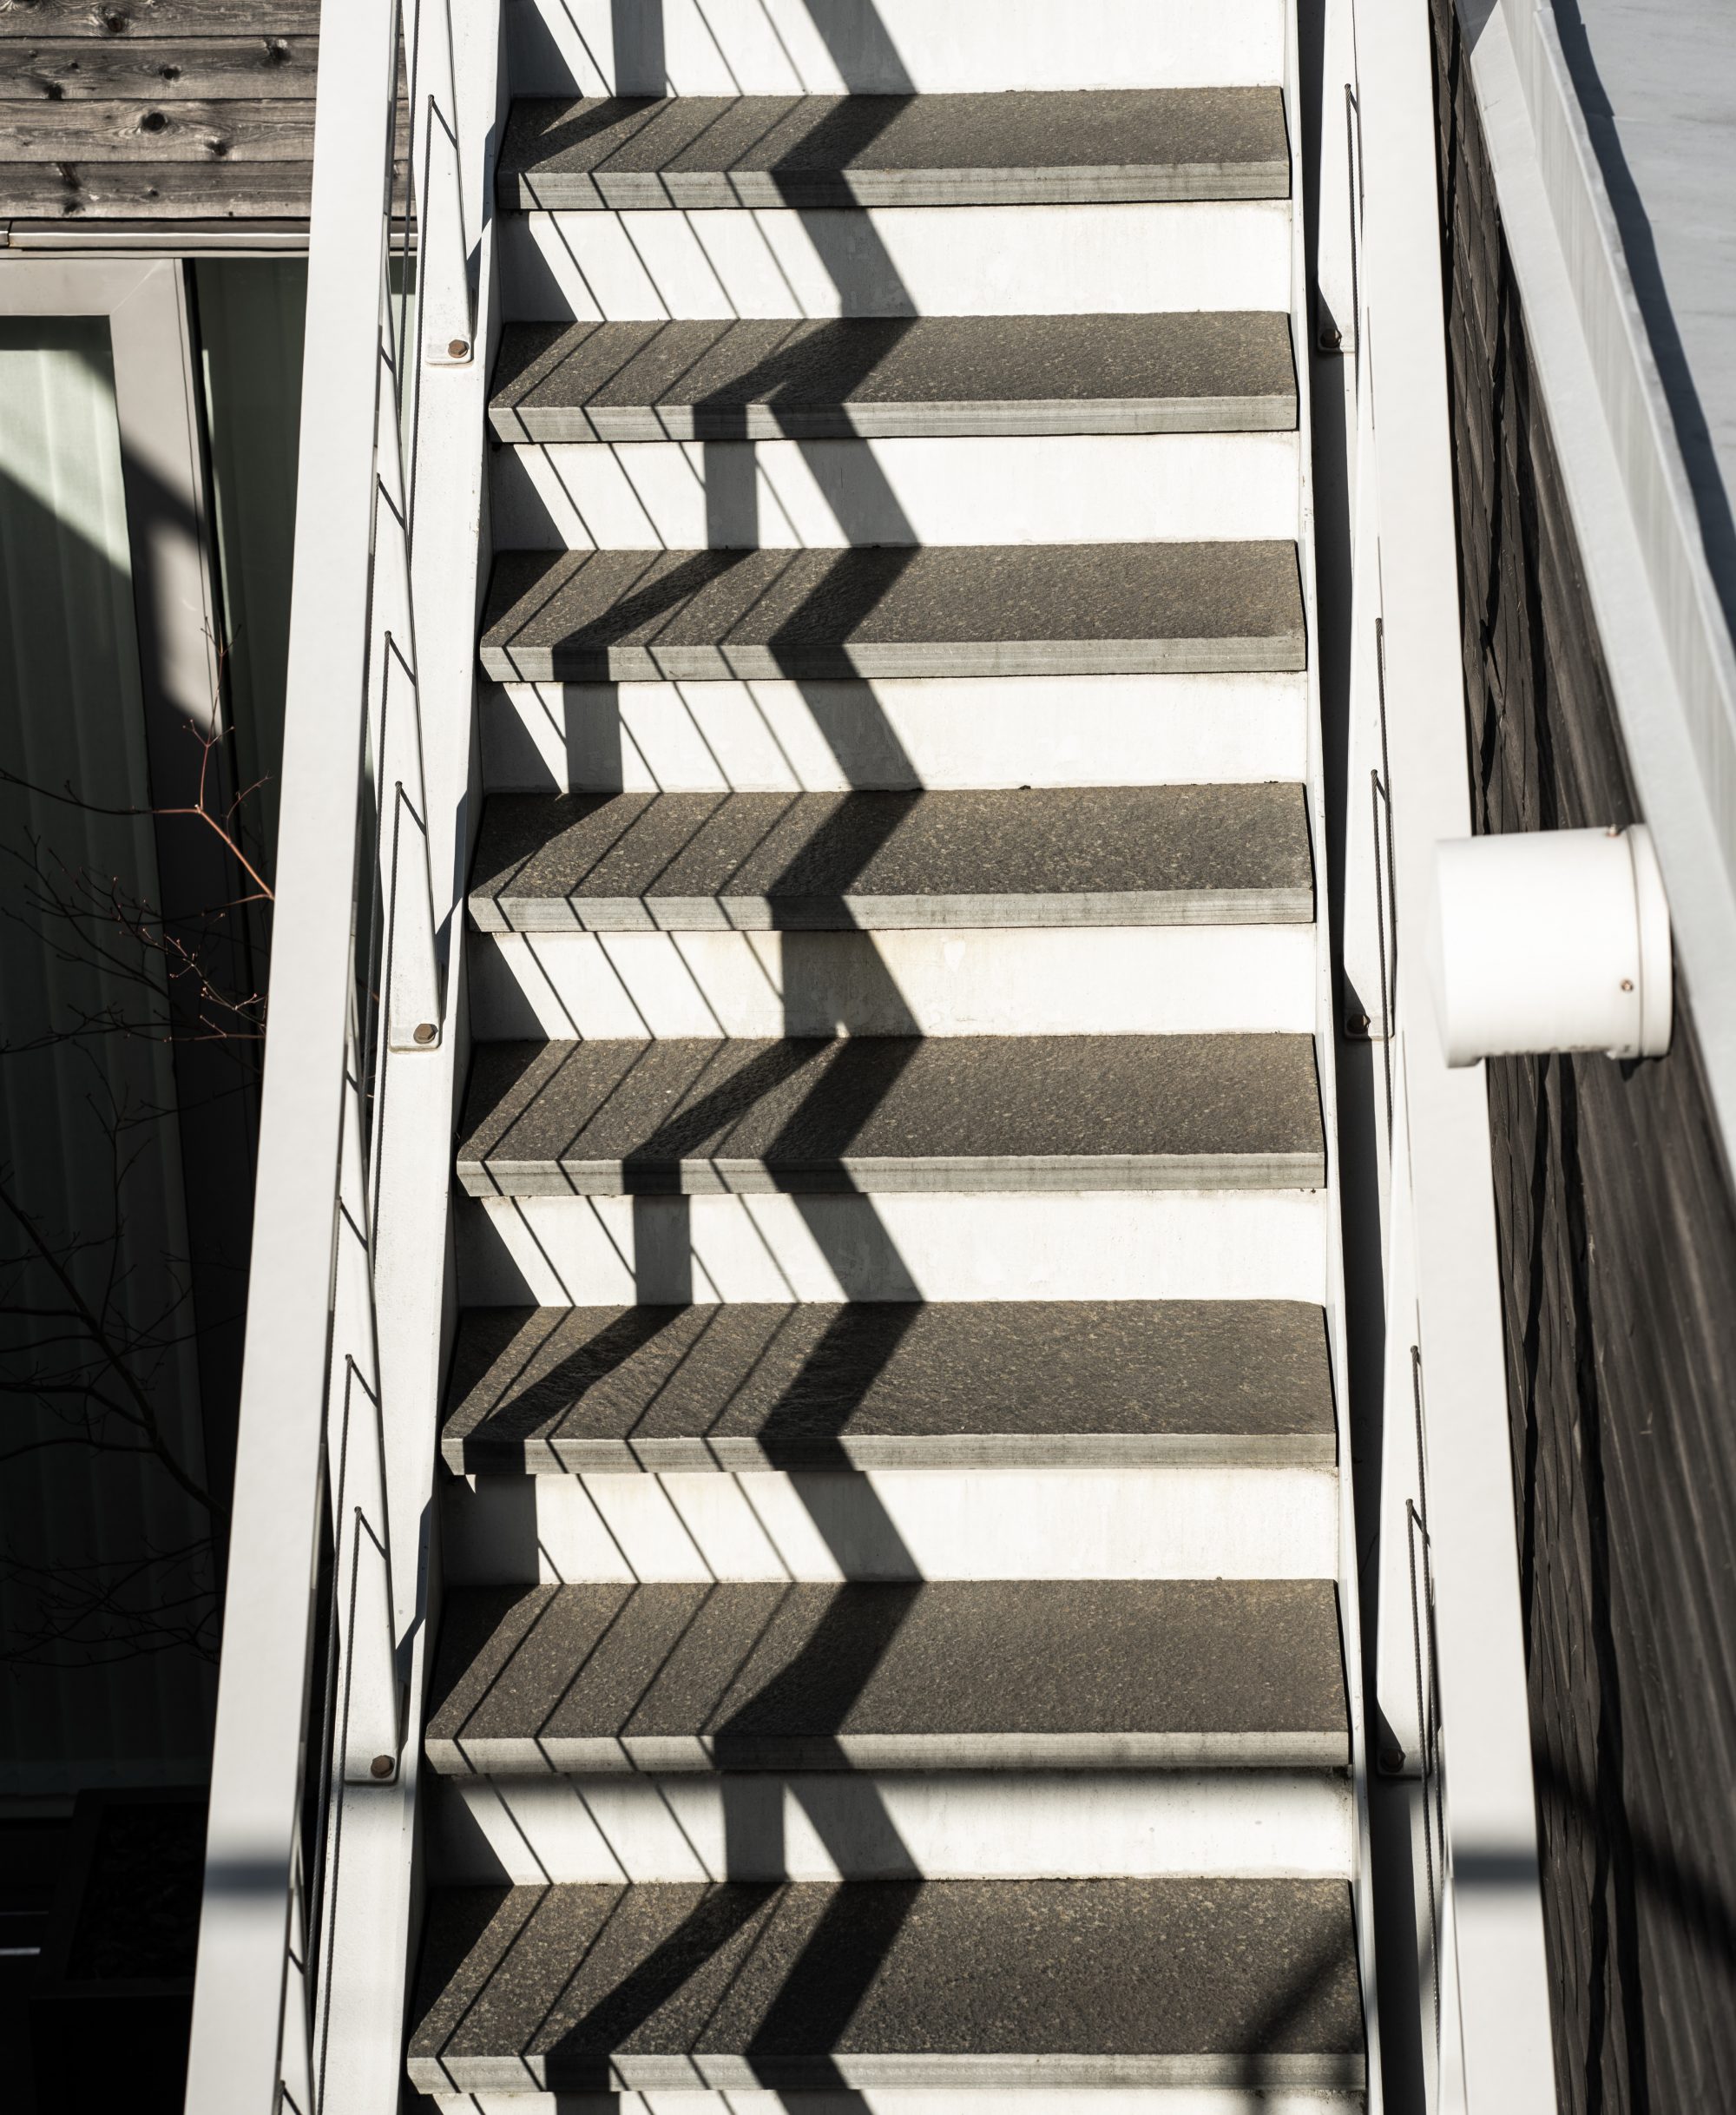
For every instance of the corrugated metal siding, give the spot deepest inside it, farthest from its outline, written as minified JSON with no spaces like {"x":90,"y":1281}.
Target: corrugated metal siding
{"x":105,"y":1196}
{"x":1618,"y":1240}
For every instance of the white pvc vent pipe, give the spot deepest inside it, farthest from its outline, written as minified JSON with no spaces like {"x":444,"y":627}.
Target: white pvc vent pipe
{"x":1551,"y":940}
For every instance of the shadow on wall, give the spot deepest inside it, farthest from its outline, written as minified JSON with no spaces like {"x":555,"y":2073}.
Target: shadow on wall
{"x":1640,"y":248}
{"x":1643,"y":1908}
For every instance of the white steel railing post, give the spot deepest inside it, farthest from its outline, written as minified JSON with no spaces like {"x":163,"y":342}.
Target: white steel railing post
{"x":354,"y":974}
{"x":367,"y":1732}
{"x":411,"y":973}
{"x":448,"y":331}
{"x":1449,"y":1675}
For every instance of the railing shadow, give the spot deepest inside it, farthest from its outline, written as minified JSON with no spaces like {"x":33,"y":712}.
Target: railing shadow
{"x":838,"y":1960}
{"x":1639,"y":251}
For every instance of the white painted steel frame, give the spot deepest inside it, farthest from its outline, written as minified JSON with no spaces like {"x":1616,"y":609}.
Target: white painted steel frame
{"x":156,"y":404}
{"x":1443,"y":1318}
{"x":407,"y":723}
{"x":372,"y":1926}
{"x":240,"y":2036}
{"x":160,"y":239}
{"x":1327,"y":1033}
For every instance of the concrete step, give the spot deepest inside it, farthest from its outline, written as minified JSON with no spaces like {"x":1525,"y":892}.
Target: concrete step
{"x":826,"y":495}
{"x":860,"y":1824}
{"x":1136,"y":855}
{"x":955,"y":1675}
{"x":866,"y":1113}
{"x":1238,"y":1985}
{"x":812,"y":153}
{"x":787,"y":48}
{"x":879,"y":377}
{"x":972,"y":1384}
{"x":1027,"y":609}
{"x":1097,"y":730}
{"x":895,"y":260}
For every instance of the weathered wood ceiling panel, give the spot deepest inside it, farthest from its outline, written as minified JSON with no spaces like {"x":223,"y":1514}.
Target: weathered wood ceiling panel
{"x":202,"y":132}
{"x":159,"y":18}
{"x":156,"y":69}
{"x":156,"y":109}
{"x":155,"y":190}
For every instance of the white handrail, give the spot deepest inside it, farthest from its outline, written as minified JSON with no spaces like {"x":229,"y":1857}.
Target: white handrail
{"x":354,"y":976}
{"x":1451,"y":1676}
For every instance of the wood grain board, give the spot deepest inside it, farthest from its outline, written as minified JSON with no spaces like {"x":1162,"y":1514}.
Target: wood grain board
{"x":156,"y":190}
{"x":151,"y":132}
{"x":157,"y":110}
{"x":161,"y":70}
{"x":148,"y":18}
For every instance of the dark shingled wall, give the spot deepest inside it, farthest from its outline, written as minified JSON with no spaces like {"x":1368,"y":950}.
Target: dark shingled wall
{"x":1618,"y":1248}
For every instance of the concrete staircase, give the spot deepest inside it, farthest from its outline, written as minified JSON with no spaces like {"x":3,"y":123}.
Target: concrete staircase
{"x":894,"y":1548}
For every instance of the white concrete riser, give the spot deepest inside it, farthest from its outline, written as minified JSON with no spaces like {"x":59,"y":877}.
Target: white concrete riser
{"x":886,"y":47}
{"x":940,"y":261}
{"x":1106,"y":730}
{"x":743,"y":495}
{"x":1172,"y":979}
{"x":1110,"y":1245}
{"x":960,"y":1825}
{"x":879,"y":2100}
{"x":893,"y":1524}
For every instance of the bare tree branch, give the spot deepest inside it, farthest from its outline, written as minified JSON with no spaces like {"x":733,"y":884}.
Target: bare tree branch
{"x":97,"y":1328}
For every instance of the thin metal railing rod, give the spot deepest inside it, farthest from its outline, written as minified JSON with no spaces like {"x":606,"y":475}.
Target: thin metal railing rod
{"x":446,"y":321}
{"x":237,"y":2063}
{"x":1422,"y":1617}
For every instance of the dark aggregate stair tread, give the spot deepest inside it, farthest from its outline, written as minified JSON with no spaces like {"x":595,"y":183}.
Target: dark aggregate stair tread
{"x":806,"y":1986}
{"x":889,"y":611}
{"x":877,"y":378}
{"x":994,"y":1674}
{"x":822,"y":1385}
{"x":1134,"y":855}
{"x":682,"y":1116}
{"x":811,"y":152}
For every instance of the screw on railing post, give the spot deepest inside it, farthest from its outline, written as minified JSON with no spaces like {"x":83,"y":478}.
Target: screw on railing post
{"x":412,"y":969}
{"x":448,"y":327}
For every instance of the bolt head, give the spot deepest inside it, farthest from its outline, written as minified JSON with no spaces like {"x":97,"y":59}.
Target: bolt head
{"x":424,"y":1032}
{"x":381,"y":1767}
{"x":1627,"y":983}
{"x":459,"y":348}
